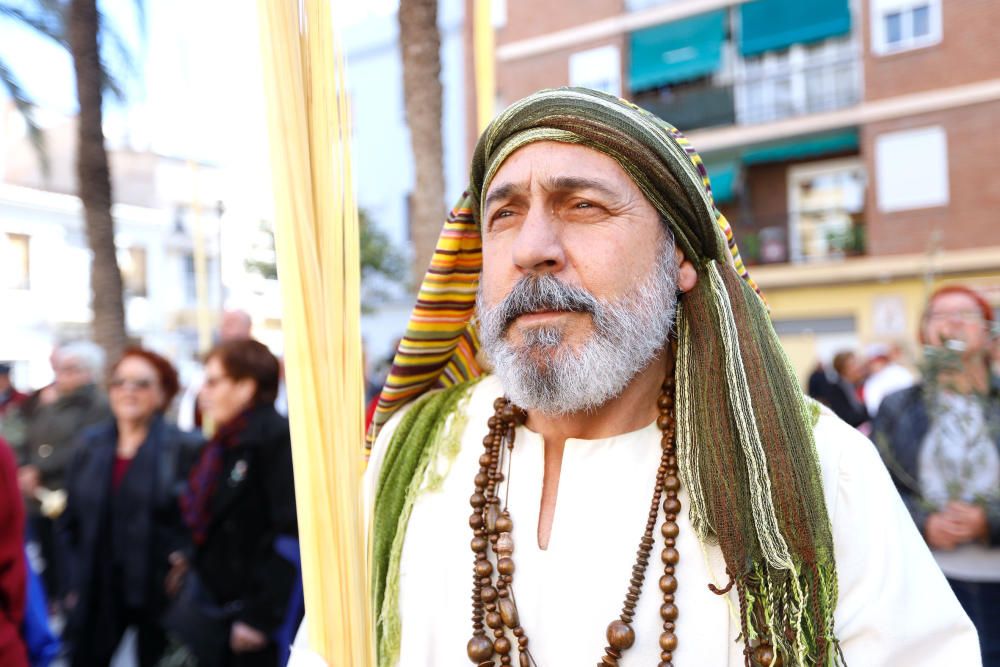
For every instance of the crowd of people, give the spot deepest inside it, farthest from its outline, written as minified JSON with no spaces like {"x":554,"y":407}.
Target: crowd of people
{"x":134,"y":522}
{"x":187,"y":536}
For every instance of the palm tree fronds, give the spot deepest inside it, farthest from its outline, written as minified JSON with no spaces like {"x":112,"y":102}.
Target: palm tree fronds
{"x":26,"y":107}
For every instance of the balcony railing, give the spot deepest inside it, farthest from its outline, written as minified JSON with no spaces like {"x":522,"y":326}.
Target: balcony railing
{"x":809,"y":236}
{"x":799,"y":81}
{"x":691,"y":106}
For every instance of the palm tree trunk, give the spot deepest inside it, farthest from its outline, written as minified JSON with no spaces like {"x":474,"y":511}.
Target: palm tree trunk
{"x":94,"y":181}
{"x":421,"y":49}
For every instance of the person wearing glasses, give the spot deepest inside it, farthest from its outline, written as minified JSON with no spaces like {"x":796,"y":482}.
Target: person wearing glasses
{"x":941,"y":442}
{"x":122,"y":519}
{"x":238,"y":581}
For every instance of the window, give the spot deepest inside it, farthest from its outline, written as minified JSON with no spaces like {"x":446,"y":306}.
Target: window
{"x":911,"y":169}
{"x":803,"y":79}
{"x":901,"y":25}
{"x":498,"y":14}
{"x":14,"y":261}
{"x":825,"y":203}
{"x":132,"y":262}
{"x":638,"y":5}
{"x":599,"y":69}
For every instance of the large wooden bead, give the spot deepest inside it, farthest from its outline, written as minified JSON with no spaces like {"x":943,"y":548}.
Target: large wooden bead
{"x":508,"y":612}
{"x":491,"y":519}
{"x":479,"y":649}
{"x":671,"y":483}
{"x":620,"y":635}
{"x":484,"y":568}
{"x":764,"y":656}
{"x":668,"y":642}
{"x":478,"y":544}
{"x":493,"y":620}
{"x":504,"y":524}
{"x":488,"y":594}
{"x":668,"y":583}
{"x":501,"y":645}
{"x":505,"y":565}
{"x":670,"y":556}
{"x":669,"y":529}
{"x":668,"y":612}
{"x":477,"y":500}
{"x":672,"y":506}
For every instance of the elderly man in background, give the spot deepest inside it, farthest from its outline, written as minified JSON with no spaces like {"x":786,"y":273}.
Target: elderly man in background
{"x":50,"y":432}
{"x":235,"y":325}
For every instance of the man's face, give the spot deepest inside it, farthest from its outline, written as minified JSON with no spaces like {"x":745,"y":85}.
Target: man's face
{"x":579,"y":279}
{"x":236,"y":325}
{"x":71,"y":374}
{"x":954,"y":320}
{"x":573,"y":213}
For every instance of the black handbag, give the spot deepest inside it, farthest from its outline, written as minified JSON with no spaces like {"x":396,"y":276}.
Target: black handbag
{"x":199,"y":623}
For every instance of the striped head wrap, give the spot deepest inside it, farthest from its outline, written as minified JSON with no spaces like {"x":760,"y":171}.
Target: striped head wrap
{"x":748,"y":459}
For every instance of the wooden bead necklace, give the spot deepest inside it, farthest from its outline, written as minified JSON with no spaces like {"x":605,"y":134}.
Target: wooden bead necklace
{"x":493,"y":604}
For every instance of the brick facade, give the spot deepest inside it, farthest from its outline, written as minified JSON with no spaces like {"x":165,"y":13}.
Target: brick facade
{"x":971,"y":219}
{"x":966,"y":53}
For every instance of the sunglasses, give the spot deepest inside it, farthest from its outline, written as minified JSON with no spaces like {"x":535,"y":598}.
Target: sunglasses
{"x":141,"y":384}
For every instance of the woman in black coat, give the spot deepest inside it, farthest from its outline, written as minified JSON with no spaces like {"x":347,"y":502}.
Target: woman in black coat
{"x":122,"y":520}
{"x":240,"y":504}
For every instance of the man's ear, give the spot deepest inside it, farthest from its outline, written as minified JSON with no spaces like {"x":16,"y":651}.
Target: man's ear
{"x":687,"y":276}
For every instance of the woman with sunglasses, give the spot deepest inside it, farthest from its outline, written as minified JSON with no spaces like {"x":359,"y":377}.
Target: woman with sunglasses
{"x":122,"y":519}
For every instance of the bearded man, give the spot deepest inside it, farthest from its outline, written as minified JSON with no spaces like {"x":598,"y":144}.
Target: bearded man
{"x":638,"y":397}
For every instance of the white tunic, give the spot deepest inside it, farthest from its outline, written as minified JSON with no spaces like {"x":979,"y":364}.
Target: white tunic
{"x":895,"y":607}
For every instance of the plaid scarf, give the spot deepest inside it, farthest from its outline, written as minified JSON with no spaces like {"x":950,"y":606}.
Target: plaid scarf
{"x":747,"y":457}
{"x":204,"y":478}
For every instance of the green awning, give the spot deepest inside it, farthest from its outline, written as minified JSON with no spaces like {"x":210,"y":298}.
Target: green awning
{"x":723,"y":178}
{"x":802,"y":147}
{"x":768,"y":25}
{"x":678,"y":51}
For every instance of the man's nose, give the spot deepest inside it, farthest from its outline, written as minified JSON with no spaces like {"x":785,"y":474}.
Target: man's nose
{"x":538,"y":246}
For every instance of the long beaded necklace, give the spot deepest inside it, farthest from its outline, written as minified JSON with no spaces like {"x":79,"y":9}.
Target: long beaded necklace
{"x":493,"y":604}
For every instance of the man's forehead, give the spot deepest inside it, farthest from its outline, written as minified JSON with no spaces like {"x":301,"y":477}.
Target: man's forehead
{"x":556,"y":165}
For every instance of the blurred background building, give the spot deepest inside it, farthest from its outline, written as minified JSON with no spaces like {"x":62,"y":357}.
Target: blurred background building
{"x":850,"y":143}
{"x":161,"y":203}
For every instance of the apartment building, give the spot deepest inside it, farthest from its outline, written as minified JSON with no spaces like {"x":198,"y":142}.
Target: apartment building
{"x":849,"y":141}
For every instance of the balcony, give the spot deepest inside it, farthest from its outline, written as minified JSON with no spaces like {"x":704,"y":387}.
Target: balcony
{"x":803,"y":237}
{"x":799,"y":81}
{"x":690,"y":106}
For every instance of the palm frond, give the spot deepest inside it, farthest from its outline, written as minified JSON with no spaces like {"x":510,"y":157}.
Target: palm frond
{"x":26,"y":107}
{"x":116,"y":56}
{"x":48,"y":22}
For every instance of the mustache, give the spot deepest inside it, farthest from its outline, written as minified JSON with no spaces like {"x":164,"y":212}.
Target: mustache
{"x":534,"y":293}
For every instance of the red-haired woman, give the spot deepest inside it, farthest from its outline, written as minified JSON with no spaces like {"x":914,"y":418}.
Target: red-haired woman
{"x":240,"y":506}
{"x":941,"y":441}
{"x":122,"y":520}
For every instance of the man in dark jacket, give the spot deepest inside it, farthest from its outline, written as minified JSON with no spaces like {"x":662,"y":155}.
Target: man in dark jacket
{"x":51,"y":430}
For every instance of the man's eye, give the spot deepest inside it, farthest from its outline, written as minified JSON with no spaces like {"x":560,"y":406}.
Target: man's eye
{"x":584,"y":204}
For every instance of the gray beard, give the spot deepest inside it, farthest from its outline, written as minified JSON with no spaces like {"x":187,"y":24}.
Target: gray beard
{"x":544,"y":374}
